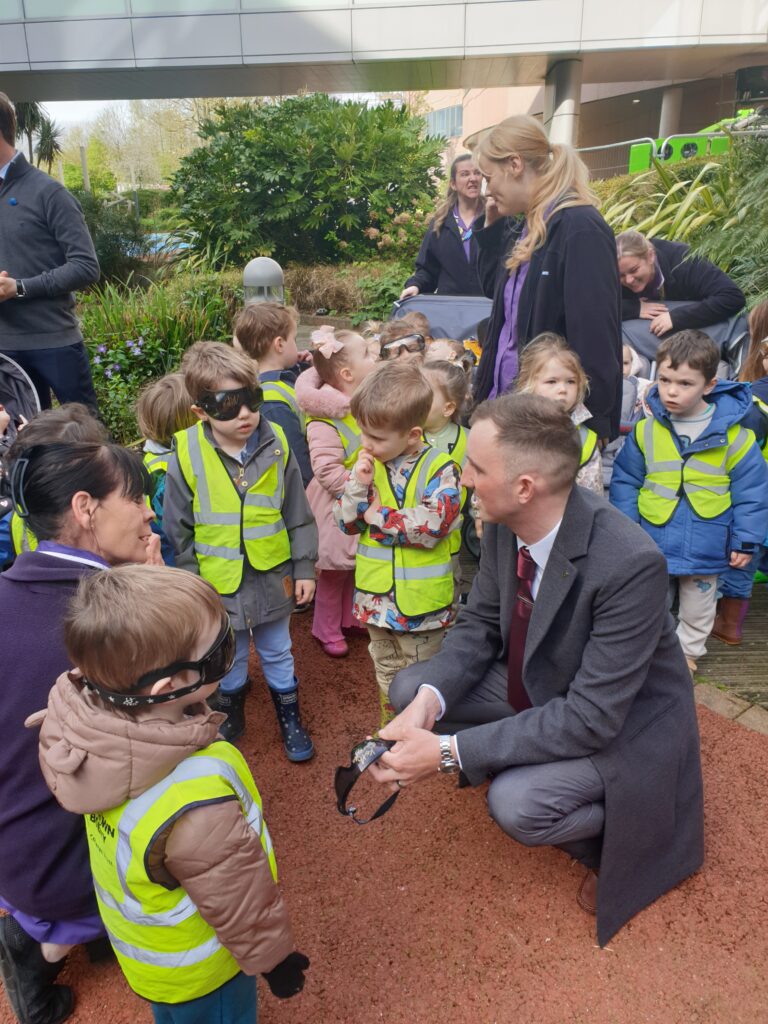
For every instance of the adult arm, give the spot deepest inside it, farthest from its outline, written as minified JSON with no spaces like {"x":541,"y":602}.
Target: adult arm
{"x":714,"y":297}
{"x":178,"y":519}
{"x":427,"y":271}
{"x":283,"y":415}
{"x":628,"y":478}
{"x":67,"y":226}
{"x":494,"y":243}
{"x":630,"y":305}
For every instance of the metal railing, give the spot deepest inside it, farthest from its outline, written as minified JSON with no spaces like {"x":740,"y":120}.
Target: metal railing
{"x":608,"y":161}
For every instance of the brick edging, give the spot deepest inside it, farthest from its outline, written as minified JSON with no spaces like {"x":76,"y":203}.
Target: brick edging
{"x":752,"y":716}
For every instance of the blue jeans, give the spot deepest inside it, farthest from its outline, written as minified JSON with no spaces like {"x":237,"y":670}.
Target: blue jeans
{"x":65,"y":371}
{"x":272,"y":641}
{"x":232,"y":1003}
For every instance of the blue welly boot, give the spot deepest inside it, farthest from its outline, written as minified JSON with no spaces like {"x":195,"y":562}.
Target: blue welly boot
{"x":296,"y":740}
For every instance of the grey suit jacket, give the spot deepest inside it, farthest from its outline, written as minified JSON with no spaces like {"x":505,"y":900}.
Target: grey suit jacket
{"x":607,"y":679}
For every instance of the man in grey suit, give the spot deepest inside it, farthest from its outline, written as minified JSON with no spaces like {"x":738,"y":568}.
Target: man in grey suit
{"x":600,"y":757}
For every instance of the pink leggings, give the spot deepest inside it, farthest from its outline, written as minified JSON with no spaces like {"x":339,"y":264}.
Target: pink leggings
{"x":333,"y":604}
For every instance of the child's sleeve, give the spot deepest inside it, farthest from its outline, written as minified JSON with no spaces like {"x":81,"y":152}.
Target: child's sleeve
{"x":178,"y":520}
{"x":424,"y":525}
{"x":749,"y":497}
{"x":627,"y":479}
{"x":591,"y":474}
{"x":351,"y":506}
{"x":7,"y":554}
{"x":285,"y":417}
{"x":326,"y":452}
{"x":219,"y":861}
{"x":299,"y":522}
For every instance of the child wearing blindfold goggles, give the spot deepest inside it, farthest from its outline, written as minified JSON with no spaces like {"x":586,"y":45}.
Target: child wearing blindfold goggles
{"x":237,"y":515}
{"x":181,"y":856}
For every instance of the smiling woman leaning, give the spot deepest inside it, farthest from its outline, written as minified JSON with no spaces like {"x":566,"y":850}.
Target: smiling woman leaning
{"x":84,"y":503}
{"x":548,"y":260}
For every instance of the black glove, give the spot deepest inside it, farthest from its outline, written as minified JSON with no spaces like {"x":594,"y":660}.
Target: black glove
{"x":287,"y":979}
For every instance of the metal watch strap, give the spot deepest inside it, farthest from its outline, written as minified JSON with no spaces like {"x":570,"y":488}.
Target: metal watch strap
{"x":448,"y":763}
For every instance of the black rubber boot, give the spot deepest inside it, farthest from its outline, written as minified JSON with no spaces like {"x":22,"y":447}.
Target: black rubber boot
{"x":28,"y":978}
{"x":296,"y":740}
{"x":233,"y":706}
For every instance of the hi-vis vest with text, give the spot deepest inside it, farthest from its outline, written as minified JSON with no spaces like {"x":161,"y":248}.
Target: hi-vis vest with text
{"x":167,"y":951}
{"x":348,"y":431}
{"x":420,"y":578}
{"x":588,"y":439}
{"x":702,"y":477}
{"x":228,"y":526}
{"x":279,"y":391}
{"x":21,"y":536}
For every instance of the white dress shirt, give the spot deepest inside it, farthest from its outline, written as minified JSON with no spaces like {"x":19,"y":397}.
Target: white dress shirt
{"x":4,"y":170}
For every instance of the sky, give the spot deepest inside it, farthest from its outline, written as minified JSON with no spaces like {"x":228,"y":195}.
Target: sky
{"x":76,"y":111}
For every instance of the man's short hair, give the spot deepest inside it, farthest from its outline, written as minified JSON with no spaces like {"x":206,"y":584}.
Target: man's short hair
{"x":258,"y":324}
{"x":7,"y":120}
{"x":693,"y":347}
{"x":538,"y":433}
{"x":128,"y":621}
{"x":395,"y":396}
{"x":207,"y":363}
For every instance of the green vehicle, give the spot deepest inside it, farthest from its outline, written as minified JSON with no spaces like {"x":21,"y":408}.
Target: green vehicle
{"x":683,"y":147}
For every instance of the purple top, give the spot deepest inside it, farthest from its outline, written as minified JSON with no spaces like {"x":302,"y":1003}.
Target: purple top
{"x":465,"y":230}
{"x":505,"y":369}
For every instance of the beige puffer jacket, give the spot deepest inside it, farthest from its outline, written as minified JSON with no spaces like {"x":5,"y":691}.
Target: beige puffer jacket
{"x":94,"y":758}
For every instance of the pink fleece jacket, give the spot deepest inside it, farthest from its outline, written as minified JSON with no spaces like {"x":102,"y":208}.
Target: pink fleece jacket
{"x":326,"y":452}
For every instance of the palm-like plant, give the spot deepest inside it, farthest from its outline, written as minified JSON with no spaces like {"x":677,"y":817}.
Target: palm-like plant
{"x":29,"y":117}
{"x":48,"y":142}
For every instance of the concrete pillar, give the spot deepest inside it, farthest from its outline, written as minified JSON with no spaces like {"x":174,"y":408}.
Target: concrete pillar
{"x":562,"y":101}
{"x":671,"y":105}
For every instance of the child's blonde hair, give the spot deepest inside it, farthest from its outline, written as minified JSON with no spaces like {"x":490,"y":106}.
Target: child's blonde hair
{"x":396,"y":396}
{"x":163,"y":408}
{"x":258,"y":324}
{"x":536,"y":355}
{"x":758,"y":347}
{"x":328,"y":367}
{"x":411,"y":323}
{"x":452,"y":381}
{"x":457,"y":354}
{"x":126,"y":622}
{"x":207,"y":363}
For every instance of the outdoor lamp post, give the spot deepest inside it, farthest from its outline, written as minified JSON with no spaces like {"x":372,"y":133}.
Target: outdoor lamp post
{"x":263,"y":281}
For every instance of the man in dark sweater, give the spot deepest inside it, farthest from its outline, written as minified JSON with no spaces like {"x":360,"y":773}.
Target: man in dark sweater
{"x":46,"y":254}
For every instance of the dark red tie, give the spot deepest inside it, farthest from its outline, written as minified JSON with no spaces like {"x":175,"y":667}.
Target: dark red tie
{"x":518,"y":630}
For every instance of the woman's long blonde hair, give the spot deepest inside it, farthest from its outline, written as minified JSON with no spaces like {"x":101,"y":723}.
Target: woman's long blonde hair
{"x":562,"y":176}
{"x":451,"y":196}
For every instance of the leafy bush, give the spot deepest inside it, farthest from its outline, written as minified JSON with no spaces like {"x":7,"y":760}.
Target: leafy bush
{"x":118,"y":237}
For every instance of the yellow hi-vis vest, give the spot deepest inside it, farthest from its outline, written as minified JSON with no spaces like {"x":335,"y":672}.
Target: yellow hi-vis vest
{"x":421,"y":579}
{"x":228,"y":526}
{"x":458,"y":452}
{"x":350,"y":435}
{"x":588,"y":439}
{"x":279,"y":391}
{"x":22,"y":537}
{"x":156,"y":462}
{"x":761,"y":405}
{"x":167,"y":951}
{"x":703,"y":477}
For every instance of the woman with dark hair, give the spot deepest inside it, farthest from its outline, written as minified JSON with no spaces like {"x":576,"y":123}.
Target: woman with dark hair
{"x":84,"y":502}
{"x":447,"y":260}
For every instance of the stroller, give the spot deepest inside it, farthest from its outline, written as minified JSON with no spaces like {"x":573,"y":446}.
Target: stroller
{"x":20,"y":400}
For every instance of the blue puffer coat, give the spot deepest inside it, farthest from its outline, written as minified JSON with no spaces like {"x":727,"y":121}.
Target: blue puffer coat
{"x":693,"y":545}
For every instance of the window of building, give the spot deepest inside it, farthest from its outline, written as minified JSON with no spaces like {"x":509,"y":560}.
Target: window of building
{"x":447,"y":122}
{"x":74,"y":8}
{"x":184,"y":6}
{"x":10,"y":10}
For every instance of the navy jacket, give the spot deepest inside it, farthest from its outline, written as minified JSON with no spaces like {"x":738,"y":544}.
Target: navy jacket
{"x":283,"y":416}
{"x":572,"y":288}
{"x":44,"y":866}
{"x":442,"y":266}
{"x":711,"y":294}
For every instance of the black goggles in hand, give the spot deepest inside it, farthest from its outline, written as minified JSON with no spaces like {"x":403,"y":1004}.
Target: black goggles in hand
{"x":362,"y":756}
{"x":213,"y":666}
{"x":409,"y":343}
{"x":226,"y":405}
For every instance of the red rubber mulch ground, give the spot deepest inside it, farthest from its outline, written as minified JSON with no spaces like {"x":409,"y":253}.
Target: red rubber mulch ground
{"x":431,"y":915}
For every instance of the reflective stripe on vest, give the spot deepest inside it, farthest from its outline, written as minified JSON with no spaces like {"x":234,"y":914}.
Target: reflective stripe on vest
{"x":421,"y":579}
{"x":761,"y":405}
{"x":156,"y":462}
{"x":167,"y":951}
{"x":227,"y":526}
{"x":588,"y":439}
{"x":348,"y":431}
{"x":279,"y":391}
{"x":703,"y":476}
{"x":458,"y":452}
{"x":21,"y":536}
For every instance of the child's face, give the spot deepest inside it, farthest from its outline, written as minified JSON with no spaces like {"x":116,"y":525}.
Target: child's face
{"x":558,"y":382}
{"x":287,"y":349}
{"x":386,"y":445}
{"x":230,"y":433}
{"x":682,"y":390}
{"x":627,"y":361}
{"x":206,"y":638}
{"x":360,"y":360}
{"x":442,"y":408}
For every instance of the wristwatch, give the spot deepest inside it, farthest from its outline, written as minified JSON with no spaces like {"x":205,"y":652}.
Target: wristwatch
{"x":21,"y":291}
{"x":448,"y":763}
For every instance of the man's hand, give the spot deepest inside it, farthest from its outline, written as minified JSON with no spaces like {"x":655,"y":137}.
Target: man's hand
{"x":661,"y":324}
{"x":416,"y":753}
{"x":649,"y":310}
{"x":739,"y":559}
{"x":363,"y":469}
{"x":7,"y":286}
{"x":373,"y":509}
{"x":303,"y":591}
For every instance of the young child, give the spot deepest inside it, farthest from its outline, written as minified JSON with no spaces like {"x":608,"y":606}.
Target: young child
{"x":403,"y":497}
{"x":450,"y":351}
{"x":736,"y":584}
{"x":266,"y":331}
{"x":162,"y":409}
{"x":237,"y":515}
{"x":632,"y":397}
{"x":184,"y":870}
{"x":405,"y":338}
{"x":695,"y":479}
{"x":341,"y":360}
{"x":550,"y":369}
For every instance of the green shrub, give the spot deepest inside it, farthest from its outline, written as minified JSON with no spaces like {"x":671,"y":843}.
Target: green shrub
{"x":118,"y":237}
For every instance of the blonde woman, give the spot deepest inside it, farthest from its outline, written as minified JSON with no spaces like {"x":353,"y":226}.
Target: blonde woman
{"x":548,"y":260}
{"x":447,"y":260}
